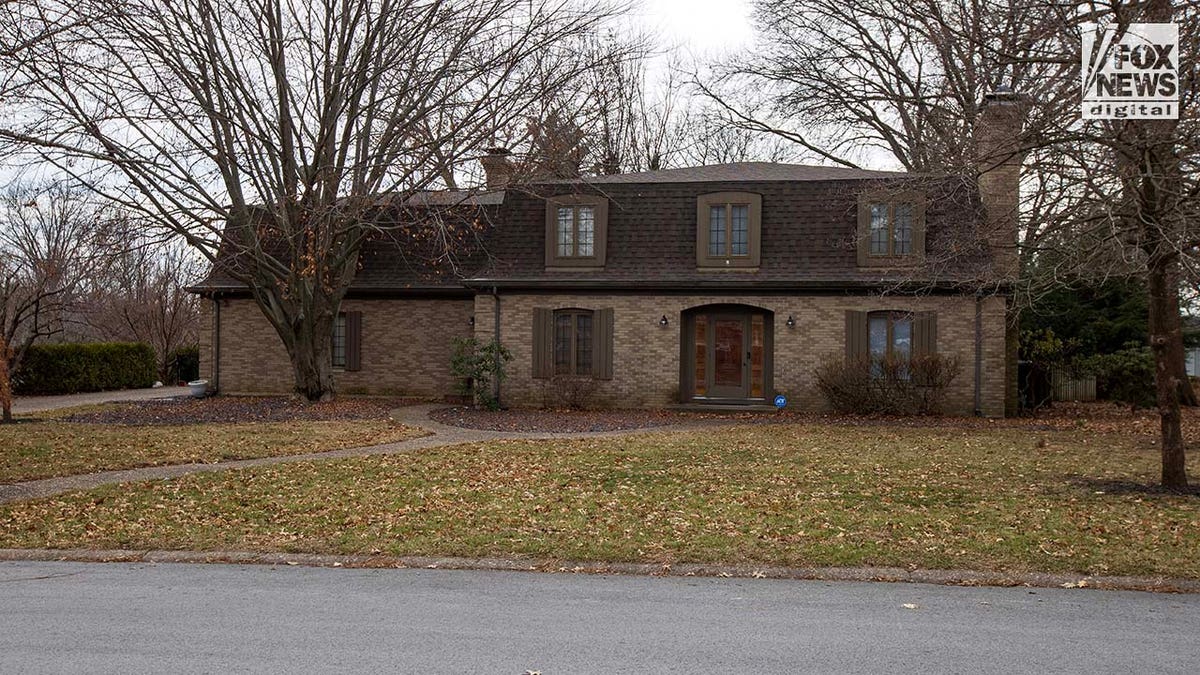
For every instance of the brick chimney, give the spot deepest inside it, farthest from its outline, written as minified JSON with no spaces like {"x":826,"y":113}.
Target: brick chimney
{"x":497,"y":168}
{"x":998,"y":161}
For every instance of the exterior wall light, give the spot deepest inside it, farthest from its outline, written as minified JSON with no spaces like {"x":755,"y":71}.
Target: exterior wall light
{"x":663,"y":321}
{"x":791,"y":323}
{"x":471,"y":322}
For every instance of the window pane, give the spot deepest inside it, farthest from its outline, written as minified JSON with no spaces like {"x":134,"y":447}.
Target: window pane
{"x":902,"y":230}
{"x":566,"y":231}
{"x":583,"y":344}
{"x":740,"y":222}
{"x":879,"y":229}
{"x":587,"y":230}
{"x":877,"y":335}
{"x":901,"y":336}
{"x":339,"y":341}
{"x":716,"y":230}
{"x":701,"y":355}
{"x":562,"y":343}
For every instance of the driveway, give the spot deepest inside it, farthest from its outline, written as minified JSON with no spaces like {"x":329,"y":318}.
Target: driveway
{"x":89,"y":617}
{"x":23,"y":405}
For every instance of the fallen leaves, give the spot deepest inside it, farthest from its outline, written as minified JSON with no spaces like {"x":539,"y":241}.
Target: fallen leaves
{"x":803,"y":495}
{"x":56,"y":448}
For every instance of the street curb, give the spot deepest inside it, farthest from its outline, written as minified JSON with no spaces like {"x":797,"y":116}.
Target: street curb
{"x":880,"y":574}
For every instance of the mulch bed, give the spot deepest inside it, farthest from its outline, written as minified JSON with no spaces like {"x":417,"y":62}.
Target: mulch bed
{"x":1101,"y":418}
{"x":238,"y":409}
{"x":528,"y":420}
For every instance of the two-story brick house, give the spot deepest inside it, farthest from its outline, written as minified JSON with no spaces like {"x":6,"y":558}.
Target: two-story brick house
{"x":720,"y":284}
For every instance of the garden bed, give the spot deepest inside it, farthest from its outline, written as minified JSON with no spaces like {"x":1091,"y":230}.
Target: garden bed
{"x":238,"y":409}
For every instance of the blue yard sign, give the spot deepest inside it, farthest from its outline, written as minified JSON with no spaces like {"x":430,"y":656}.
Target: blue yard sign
{"x":780,"y":401}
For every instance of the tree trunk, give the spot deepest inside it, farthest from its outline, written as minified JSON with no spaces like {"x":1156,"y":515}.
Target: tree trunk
{"x":304,"y":322}
{"x":1164,"y":330}
{"x":312,"y":365}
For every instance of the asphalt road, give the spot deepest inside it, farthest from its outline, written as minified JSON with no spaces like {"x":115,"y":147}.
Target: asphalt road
{"x":130,"y":618}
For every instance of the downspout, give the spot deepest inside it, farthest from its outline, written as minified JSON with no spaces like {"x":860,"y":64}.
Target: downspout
{"x":216,"y":375}
{"x":978,"y":353}
{"x":496,"y":324}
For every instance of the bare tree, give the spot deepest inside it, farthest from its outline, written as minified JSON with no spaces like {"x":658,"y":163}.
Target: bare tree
{"x":893,"y":79}
{"x":268,"y":131}
{"x":46,"y":252}
{"x":902,"y":81}
{"x":137,"y":292}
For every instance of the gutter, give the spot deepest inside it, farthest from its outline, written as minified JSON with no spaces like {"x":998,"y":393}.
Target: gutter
{"x":216,"y":375}
{"x":721,"y":283}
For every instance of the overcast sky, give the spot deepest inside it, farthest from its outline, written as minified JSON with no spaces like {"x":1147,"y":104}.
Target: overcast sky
{"x":700,"y":25}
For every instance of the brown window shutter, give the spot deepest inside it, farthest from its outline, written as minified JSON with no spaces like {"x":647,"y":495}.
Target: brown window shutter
{"x":857,"y":346}
{"x":543,"y":342}
{"x":602,"y":360}
{"x":353,"y":340}
{"x":925,"y":333}
{"x":862,"y":235}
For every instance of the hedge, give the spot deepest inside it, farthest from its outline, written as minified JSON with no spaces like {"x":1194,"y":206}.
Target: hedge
{"x":74,"y":368}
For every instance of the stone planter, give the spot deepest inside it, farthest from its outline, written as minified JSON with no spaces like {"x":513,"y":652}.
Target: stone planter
{"x":198,"y":388}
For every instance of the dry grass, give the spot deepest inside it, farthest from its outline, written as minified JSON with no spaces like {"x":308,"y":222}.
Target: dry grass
{"x":809,"y":494}
{"x":47,"y":447}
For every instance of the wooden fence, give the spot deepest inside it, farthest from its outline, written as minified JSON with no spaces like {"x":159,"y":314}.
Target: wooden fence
{"x":1064,"y":386}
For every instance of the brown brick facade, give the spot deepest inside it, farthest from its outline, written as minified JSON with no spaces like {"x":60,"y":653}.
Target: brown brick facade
{"x":646,"y":355}
{"x":406,"y":347}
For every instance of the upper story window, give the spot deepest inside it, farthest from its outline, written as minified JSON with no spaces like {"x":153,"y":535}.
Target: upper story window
{"x":891,"y":229}
{"x":728,"y":230}
{"x":576,"y":231}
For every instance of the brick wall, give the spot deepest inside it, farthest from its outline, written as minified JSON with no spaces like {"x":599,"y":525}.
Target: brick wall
{"x":646,"y":355}
{"x":406,"y":347}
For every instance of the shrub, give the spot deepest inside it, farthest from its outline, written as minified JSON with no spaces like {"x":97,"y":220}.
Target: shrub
{"x":569,"y":391}
{"x":75,"y":368}
{"x":1124,"y":376}
{"x":183,"y":365}
{"x":474,"y":364}
{"x":892,"y":386}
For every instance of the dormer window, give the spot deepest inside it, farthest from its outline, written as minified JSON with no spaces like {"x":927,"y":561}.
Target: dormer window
{"x":576,"y":229}
{"x":891,"y":229}
{"x":728,"y":230}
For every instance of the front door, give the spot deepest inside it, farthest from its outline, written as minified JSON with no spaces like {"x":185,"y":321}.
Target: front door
{"x":726,"y":355}
{"x":729,"y":357}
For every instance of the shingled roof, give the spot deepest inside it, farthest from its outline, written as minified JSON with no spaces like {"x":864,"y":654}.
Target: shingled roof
{"x":809,"y":219}
{"x":408,"y":253}
{"x":754,"y":172}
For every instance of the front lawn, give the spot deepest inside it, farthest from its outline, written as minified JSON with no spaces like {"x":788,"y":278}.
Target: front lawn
{"x":125,"y":436}
{"x":989,"y":499}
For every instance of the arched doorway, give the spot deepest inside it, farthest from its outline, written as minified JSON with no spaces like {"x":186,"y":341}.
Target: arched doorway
{"x":726,"y":354}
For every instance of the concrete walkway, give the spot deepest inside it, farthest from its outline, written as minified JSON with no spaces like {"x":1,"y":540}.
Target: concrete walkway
{"x":30,"y":404}
{"x":440,"y":435}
